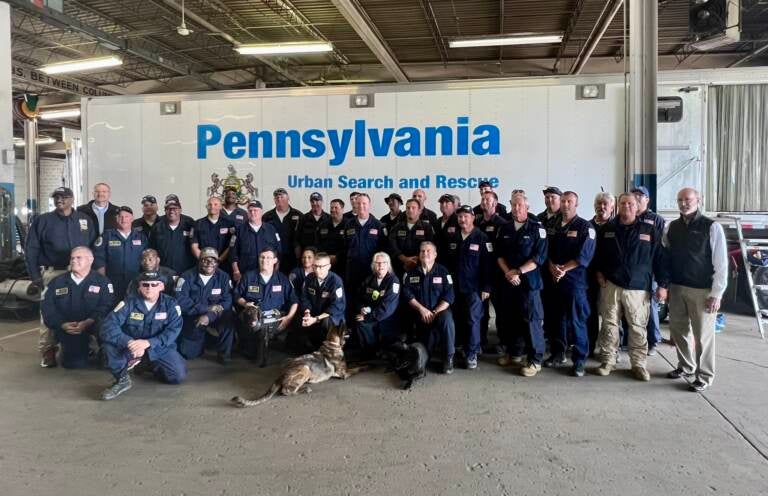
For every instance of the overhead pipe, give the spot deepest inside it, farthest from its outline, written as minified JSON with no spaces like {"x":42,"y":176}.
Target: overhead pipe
{"x":598,"y":30}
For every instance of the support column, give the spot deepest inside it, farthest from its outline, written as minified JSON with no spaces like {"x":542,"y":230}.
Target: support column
{"x":7,"y":154}
{"x":643,"y":68}
{"x":31,"y":167}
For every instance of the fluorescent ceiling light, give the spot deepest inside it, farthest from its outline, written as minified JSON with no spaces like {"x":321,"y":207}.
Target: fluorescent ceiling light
{"x":59,"y":114}
{"x":81,"y":65}
{"x":284,"y":48}
{"x":515,"y":39}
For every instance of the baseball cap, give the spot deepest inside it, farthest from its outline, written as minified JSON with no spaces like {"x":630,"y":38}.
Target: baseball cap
{"x":552,"y":189}
{"x":149,"y":198}
{"x":279,"y":191}
{"x":150,"y":276}
{"x":315,"y":196}
{"x":209,"y":253}
{"x":172,"y":204}
{"x":641,"y":190}
{"x":394,"y":196}
{"x":446,"y":198}
{"x":172,"y":197}
{"x":465,"y":209}
{"x":255,"y":204}
{"x":62,"y":191}
{"x":125,"y":208}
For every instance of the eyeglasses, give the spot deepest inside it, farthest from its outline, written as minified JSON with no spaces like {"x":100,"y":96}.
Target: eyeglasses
{"x":518,"y":191}
{"x":316,"y":266}
{"x":150,"y":284}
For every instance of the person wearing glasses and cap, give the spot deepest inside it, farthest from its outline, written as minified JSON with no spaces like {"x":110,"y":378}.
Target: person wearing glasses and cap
{"x":285,"y":218}
{"x":271,"y":291}
{"x":250,"y":240}
{"x":74,"y":304}
{"x":118,"y":252}
{"x":485,"y":187}
{"x":469,"y":261}
{"x":172,"y":198}
{"x":395,"y":214}
{"x":172,"y":237}
{"x":308,"y":231}
{"x":143,"y":328}
{"x":648,"y":216}
{"x":406,"y":237}
{"x":50,"y":240}
{"x":205,"y":297}
{"x":148,"y":215}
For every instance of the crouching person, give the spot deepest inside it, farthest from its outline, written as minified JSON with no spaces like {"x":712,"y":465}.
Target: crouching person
{"x":143,"y":328}
{"x":73,"y":305}
{"x":267,"y":305}
{"x":205,"y":297}
{"x":376,"y":318}
{"x":428,"y":291}
{"x":322,"y":304}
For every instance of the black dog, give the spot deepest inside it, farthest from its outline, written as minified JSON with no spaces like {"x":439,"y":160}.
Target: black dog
{"x":409,"y":361}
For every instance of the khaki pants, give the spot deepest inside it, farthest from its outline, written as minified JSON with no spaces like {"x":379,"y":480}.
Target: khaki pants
{"x":634,"y":305}
{"x":47,"y":340}
{"x":687,"y":313}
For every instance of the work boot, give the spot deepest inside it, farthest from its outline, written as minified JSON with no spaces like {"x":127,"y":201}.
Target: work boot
{"x":555,"y":360}
{"x":121,"y":385}
{"x":48,"y":358}
{"x":604,"y":369}
{"x":641,"y":374}
{"x":448,"y":365}
{"x":472,"y":362}
{"x":578,"y":370}
{"x":530,"y":370}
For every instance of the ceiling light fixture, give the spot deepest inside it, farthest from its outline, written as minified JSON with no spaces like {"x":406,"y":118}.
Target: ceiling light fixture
{"x":503,"y":40}
{"x":81,"y":65}
{"x":284,"y":48}
{"x":59,"y":114}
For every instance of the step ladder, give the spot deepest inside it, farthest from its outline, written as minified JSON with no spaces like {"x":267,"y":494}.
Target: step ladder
{"x":747,"y":244}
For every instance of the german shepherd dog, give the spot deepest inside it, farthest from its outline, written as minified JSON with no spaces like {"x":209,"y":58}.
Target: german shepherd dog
{"x":298,"y":373}
{"x":409,"y":361}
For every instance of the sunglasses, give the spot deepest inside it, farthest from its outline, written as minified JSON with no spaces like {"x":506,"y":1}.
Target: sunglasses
{"x":150,"y":284}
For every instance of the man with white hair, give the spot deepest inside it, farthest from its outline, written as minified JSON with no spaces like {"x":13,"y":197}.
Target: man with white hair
{"x":605,"y":206}
{"x":100,"y":210}
{"x":697,"y":265}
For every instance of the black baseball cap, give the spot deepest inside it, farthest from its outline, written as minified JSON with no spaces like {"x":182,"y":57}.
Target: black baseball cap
{"x":315,"y":196}
{"x":62,"y":191}
{"x":172,"y":204}
{"x":552,"y":189}
{"x":394,"y":196}
{"x":172,"y":197}
{"x":279,"y":191}
{"x":255,"y":204}
{"x":465,"y":209}
{"x":148,"y":198}
{"x":125,"y":208}
{"x":150,"y":276}
{"x":484,"y":184}
{"x":446,"y":198}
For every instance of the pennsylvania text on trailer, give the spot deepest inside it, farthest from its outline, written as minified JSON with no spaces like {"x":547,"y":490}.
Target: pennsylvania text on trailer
{"x":407,"y":141}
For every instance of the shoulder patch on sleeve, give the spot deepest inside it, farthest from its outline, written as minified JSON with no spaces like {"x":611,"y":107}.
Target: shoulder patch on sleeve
{"x":99,"y":241}
{"x":591,"y":233}
{"x":489,"y":247}
{"x":232,"y":240}
{"x":450,"y":279}
{"x":542,"y":232}
{"x":395,"y":288}
{"x":277,"y":236}
{"x":111,"y":288}
{"x":119,"y":306}
{"x":339,"y":292}
{"x":179,"y":283}
{"x":178,"y":310}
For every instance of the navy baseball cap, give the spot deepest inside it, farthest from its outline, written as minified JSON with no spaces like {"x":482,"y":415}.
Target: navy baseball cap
{"x":150,"y":276}
{"x":125,"y":208}
{"x":394,"y":196}
{"x":446,"y":198}
{"x":465,"y":209}
{"x":149,"y":198}
{"x":279,"y":191}
{"x":172,"y":204}
{"x":62,"y":191}
{"x":315,"y":196}
{"x":642,"y":190}
{"x":552,"y":189}
{"x":484,"y":184}
{"x":255,"y":204}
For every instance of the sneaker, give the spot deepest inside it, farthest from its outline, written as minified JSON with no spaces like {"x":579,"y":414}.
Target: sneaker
{"x":121,"y":385}
{"x":448,"y":366}
{"x":530,"y":370}
{"x":555,"y":361}
{"x":641,"y":374}
{"x":652,"y":351}
{"x":48,"y":359}
{"x":578,"y":370}
{"x":472,"y":362}
{"x":678,"y":373}
{"x":604,"y":369}
{"x":698,"y":386}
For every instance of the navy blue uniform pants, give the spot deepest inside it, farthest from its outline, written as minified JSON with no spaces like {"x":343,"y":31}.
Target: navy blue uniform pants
{"x":571,"y":312}
{"x":74,"y":349}
{"x":469,"y":314}
{"x":438,"y":335}
{"x":522,"y":315}
{"x":169,"y":367}
{"x":194,"y":339}
{"x":374,"y":335}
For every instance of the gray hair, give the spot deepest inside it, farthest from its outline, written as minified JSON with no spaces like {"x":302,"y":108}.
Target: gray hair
{"x":82,"y":248}
{"x":383,"y":255}
{"x":604,"y":196}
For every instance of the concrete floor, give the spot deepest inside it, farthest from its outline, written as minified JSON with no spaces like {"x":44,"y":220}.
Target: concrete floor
{"x":483,"y":432}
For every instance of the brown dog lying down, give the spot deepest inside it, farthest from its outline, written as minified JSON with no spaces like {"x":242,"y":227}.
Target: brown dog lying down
{"x":315,"y":367}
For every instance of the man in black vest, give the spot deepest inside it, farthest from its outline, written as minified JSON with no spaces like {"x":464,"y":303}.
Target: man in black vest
{"x":697,"y":264}
{"x":101,"y":211}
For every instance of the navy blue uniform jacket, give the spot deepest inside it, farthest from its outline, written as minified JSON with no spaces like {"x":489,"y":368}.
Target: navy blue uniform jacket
{"x":195,"y":298}
{"x":517,"y":247}
{"x":52,"y":237}
{"x":66,"y":301}
{"x":429,"y":288}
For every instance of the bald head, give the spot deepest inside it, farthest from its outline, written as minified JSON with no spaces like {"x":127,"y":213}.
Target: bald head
{"x":688,"y":201}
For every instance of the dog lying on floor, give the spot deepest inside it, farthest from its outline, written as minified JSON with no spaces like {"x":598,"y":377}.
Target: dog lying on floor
{"x":298,"y":373}
{"x":409,"y":361}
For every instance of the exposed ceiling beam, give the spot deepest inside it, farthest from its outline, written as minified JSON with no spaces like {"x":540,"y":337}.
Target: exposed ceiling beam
{"x":572,"y":22}
{"x":66,"y":22}
{"x":754,"y":53}
{"x":434,"y":28}
{"x":598,"y":30}
{"x":366,"y":29}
